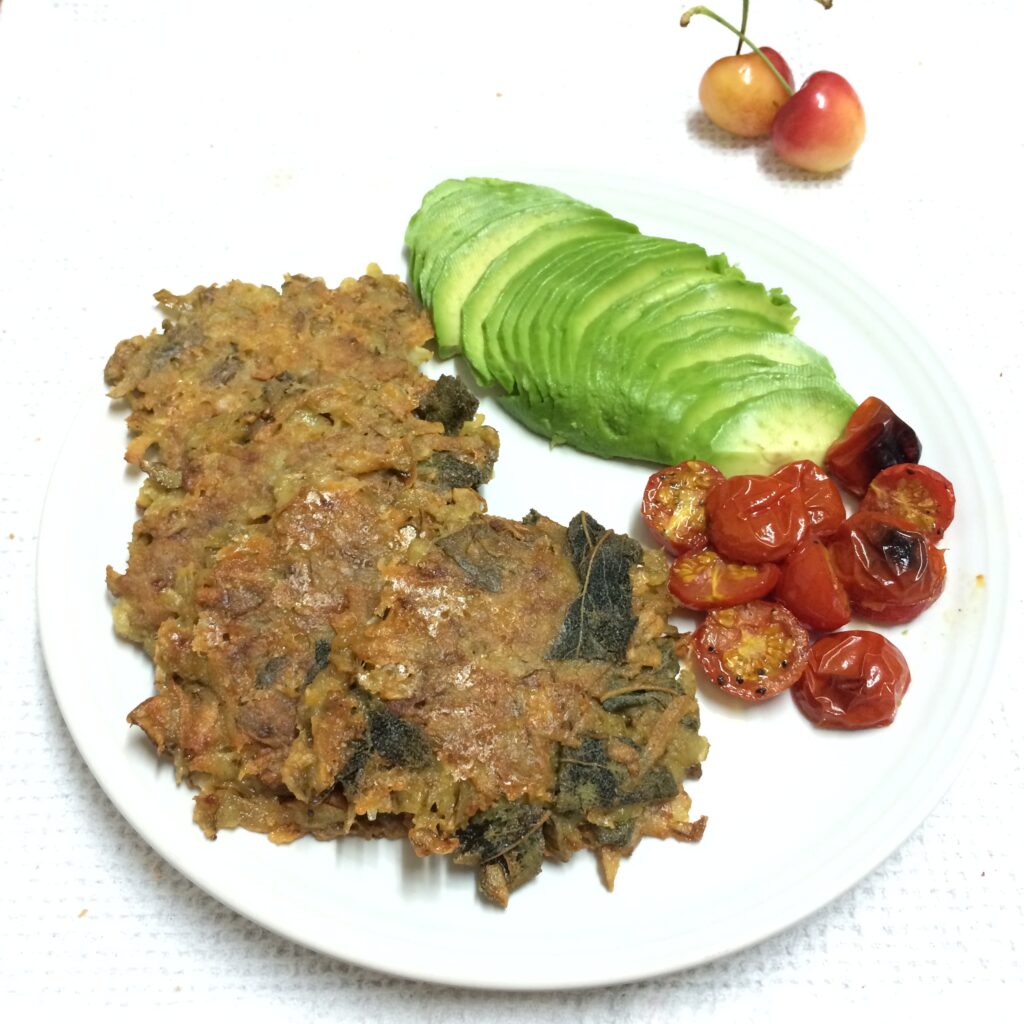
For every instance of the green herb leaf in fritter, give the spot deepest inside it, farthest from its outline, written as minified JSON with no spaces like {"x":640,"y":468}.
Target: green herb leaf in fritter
{"x":646,"y":688}
{"x":495,"y":831}
{"x":589,"y":779}
{"x":321,"y":656}
{"x":396,"y":740}
{"x":449,"y":402}
{"x":600,"y":622}
{"x":467,"y":548}
{"x":449,"y":471}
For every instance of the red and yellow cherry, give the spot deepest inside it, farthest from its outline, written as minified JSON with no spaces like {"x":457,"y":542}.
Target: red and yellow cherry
{"x":741,"y":94}
{"x":821,"y":126}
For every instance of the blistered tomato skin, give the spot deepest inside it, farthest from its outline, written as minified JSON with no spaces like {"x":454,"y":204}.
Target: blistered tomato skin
{"x":755,"y":519}
{"x":853,"y":680}
{"x":673,"y":504}
{"x":822,"y":500}
{"x":916,"y":494}
{"x":811,"y":590}
{"x":752,"y":651}
{"x":891,"y":571}
{"x":874,"y":439}
{"x":704,"y":580}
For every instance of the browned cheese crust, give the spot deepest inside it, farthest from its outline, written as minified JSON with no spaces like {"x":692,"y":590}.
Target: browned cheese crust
{"x":343,"y":640}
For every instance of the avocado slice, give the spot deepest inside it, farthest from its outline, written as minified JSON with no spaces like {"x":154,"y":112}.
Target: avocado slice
{"x":722,"y":389}
{"x":530,"y":253}
{"x":538,"y":335}
{"x":541,"y":290}
{"x":465,"y":265}
{"x":763,"y":433}
{"x":460,"y":214}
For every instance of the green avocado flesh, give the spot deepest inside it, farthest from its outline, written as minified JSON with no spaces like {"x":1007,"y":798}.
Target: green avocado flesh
{"x":619,"y":343}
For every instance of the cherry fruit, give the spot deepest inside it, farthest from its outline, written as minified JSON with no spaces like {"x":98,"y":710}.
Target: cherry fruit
{"x":818,"y":127}
{"x":821,"y":126}
{"x":741,"y":94}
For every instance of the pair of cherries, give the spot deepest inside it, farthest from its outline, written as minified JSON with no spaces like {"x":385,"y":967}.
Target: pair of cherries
{"x":818,"y":127}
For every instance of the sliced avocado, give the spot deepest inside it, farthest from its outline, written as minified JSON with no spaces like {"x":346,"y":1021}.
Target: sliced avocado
{"x":538,"y":336}
{"x":459,"y":214}
{"x":532,"y":251}
{"x":736,"y":292}
{"x":721,"y":389}
{"x":763,"y":433}
{"x":629,"y":278}
{"x":541,"y":290}
{"x":619,"y":343}
{"x":469,"y":262}
{"x":734,"y":334}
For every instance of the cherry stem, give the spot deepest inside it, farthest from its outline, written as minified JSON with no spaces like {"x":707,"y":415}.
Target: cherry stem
{"x":743,"y":24}
{"x":685,"y":20}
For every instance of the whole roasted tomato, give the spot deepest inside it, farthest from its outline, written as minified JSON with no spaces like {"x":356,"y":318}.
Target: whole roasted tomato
{"x":673,"y":504}
{"x":821,"y":498}
{"x":704,"y":580}
{"x":853,"y":680}
{"x":809,"y":587}
{"x":890,"y":570}
{"x":755,"y":519}
{"x":916,"y":494}
{"x":752,"y":651}
{"x":874,"y":439}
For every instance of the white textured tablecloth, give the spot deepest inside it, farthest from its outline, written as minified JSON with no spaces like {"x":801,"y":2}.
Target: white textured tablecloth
{"x":115,"y":116}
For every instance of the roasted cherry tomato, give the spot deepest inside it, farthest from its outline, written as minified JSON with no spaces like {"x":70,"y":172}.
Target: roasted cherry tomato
{"x":755,"y":519}
{"x":854,"y":680}
{"x":890,"y":571}
{"x":811,"y":590}
{"x":874,"y":439}
{"x":673,"y":504}
{"x":916,"y":494}
{"x":822,"y":500}
{"x":752,"y":651}
{"x":705,"y":580}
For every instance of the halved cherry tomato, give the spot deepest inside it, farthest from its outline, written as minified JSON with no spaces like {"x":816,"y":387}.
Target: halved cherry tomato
{"x":755,"y":519}
{"x":706,"y":580}
{"x":822,"y":500}
{"x":874,"y":439}
{"x":752,"y":651}
{"x":916,"y":494}
{"x":854,"y":680}
{"x":890,"y":571}
{"x":811,"y":590}
{"x":673,"y":504}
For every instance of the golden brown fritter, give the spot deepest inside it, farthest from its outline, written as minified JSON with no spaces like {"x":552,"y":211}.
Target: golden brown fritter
{"x":343,"y":641}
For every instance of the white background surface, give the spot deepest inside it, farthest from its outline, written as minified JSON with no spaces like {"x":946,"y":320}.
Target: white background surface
{"x":147,"y":145}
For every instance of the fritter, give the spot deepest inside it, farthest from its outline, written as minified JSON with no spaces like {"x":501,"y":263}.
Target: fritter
{"x":344,"y":642}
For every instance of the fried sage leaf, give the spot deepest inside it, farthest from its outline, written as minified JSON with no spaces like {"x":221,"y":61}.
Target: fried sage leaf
{"x":498,"y":878}
{"x":468,"y":550}
{"x":448,"y":402}
{"x":321,"y":657}
{"x":588,"y":779}
{"x":450,"y":471}
{"x":507,"y":841}
{"x":399,"y":742}
{"x":650,"y":687}
{"x":495,"y":831}
{"x":600,"y":622}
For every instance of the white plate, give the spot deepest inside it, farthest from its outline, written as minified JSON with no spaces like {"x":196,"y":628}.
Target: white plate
{"x":796,"y":815}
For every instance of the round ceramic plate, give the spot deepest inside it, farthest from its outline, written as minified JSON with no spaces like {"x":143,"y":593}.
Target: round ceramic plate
{"x":796,"y":815}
